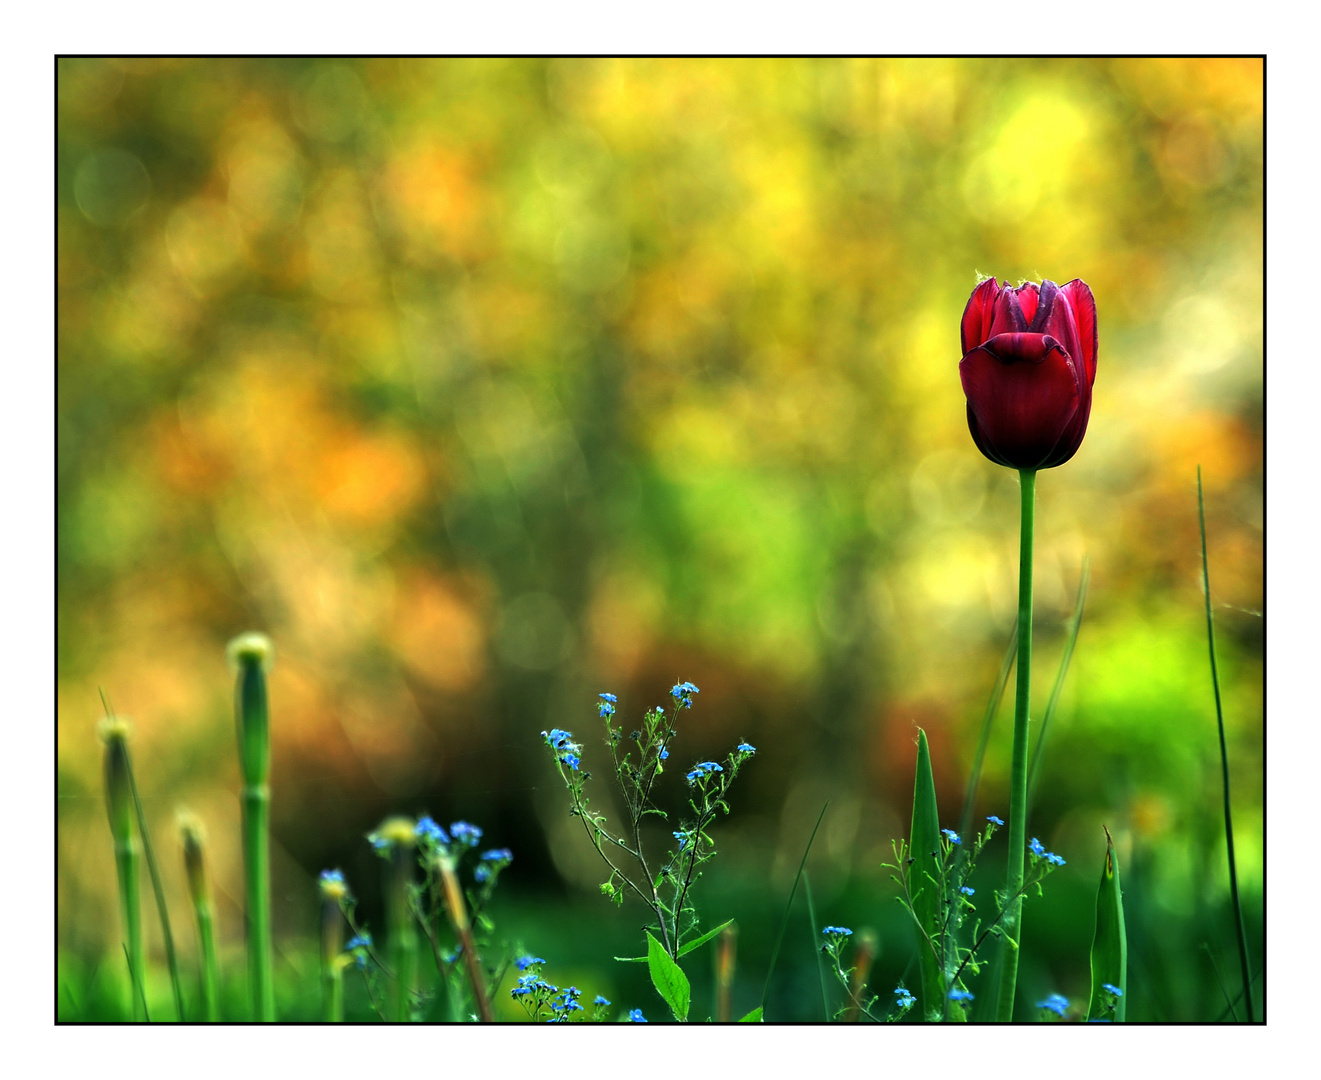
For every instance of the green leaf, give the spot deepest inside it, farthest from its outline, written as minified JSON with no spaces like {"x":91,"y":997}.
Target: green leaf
{"x":668,"y":978}
{"x":684,"y":950}
{"x":631,"y":959}
{"x":1110,"y":942}
{"x":924,"y":876}
{"x":753,"y":1017}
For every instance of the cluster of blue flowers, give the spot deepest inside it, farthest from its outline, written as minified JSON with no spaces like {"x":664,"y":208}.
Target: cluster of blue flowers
{"x":635,"y":1016}
{"x":683,"y":694}
{"x":607,"y":706}
{"x":960,"y":995}
{"x":703,"y":768}
{"x":746,"y":748}
{"x":903,"y":999}
{"x":332,"y":877}
{"x":1056,"y":1003}
{"x":429,"y":832}
{"x":358,"y":946}
{"x":951,"y":836}
{"x":993,"y":819}
{"x":684,"y":838}
{"x":837,"y":931}
{"x":535,"y":994}
{"x":492,"y":862}
{"x":566,"y":750}
{"x":1041,"y":853}
{"x":967,"y":890}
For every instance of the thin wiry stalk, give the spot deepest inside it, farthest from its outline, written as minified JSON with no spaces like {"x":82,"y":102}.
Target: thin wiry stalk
{"x":1224,"y":759}
{"x":784,"y":921}
{"x":992,"y":707}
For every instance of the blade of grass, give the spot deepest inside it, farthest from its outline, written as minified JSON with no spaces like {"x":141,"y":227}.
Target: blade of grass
{"x":784,"y":922}
{"x":1109,"y":941}
{"x":1219,"y":981}
{"x":1075,"y":621}
{"x":928,"y":903}
{"x":133,"y":978}
{"x":1238,"y":997}
{"x":992,"y":707}
{"x":820,"y":968}
{"x":1224,"y":758}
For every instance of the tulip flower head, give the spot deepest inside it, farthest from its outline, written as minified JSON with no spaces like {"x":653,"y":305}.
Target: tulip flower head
{"x":1029,"y":362}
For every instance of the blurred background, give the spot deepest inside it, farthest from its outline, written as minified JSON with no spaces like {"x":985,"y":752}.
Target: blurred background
{"x":484,"y":386}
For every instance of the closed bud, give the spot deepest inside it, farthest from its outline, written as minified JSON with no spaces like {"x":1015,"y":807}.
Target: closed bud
{"x":251,"y":655}
{"x":114,"y":732}
{"x":193,"y":835}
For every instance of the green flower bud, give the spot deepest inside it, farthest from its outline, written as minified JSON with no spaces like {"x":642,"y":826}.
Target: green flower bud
{"x":251,"y":655}
{"x":114,"y":732}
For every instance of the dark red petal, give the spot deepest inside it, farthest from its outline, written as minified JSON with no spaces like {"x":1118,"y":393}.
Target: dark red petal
{"x":1062,"y":325}
{"x":1021,"y":407}
{"x":1083,"y":306}
{"x":976,"y":325}
{"x":1045,"y":304}
{"x":1008,"y":316}
{"x":1028,"y":298}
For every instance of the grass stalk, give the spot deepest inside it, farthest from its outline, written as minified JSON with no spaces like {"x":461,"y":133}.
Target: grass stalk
{"x":816,"y":946}
{"x":199,"y":893}
{"x":784,"y":920}
{"x":1018,"y":767}
{"x":396,"y":839}
{"x":1224,"y":761}
{"x":333,"y":893}
{"x":251,"y":654}
{"x":726,"y":952}
{"x":1071,"y":639}
{"x":458,"y":914}
{"x":114,"y":733}
{"x":988,"y":717}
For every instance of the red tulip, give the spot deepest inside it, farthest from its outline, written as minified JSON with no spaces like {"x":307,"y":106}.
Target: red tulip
{"x":1029,"y":361}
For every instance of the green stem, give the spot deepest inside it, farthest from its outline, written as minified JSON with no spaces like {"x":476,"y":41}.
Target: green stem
{"x":332,"y":972}
{"x":1224,"y":759}
{"x":126,"y":862}
{"x":1018,"y":768}
{"x":206,"y":938}
{"x":403,"y":942}
{"x":257,"y":872}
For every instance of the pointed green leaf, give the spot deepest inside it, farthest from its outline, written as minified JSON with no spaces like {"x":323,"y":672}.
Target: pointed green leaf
{"x":924,"y":877}
{"x":1110,"y":942}
{"x":668,"y":978}
{"x":753,"y":1017}
{"x":631,"y":959}
{"x":684,"y":950}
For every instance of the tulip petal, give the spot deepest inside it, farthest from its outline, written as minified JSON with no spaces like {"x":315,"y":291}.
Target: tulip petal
{"x":1008,"y":315}
{"x":1083,"y":306}
{"x":1024,"y":397}
{"x":1045,"y":304}
{"x":976,"y":325}
{"x":1028,"y":300}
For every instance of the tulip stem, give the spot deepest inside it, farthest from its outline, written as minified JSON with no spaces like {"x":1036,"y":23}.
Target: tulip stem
{"x":1018,"y":769}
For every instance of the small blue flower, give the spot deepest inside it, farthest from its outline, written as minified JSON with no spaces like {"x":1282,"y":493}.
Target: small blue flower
{"x":704,"y":768}
{"x":464,"y":834}
{"x":1056,"y":860}
{"x":960,"y":995}
{"x":332,"y":877}
{"x":501,"y":854}
{"x":994,"y":820}
{"x":608,"y":697}
{"x":600,"y":1001}
{"x":1056,"y":1003}
{"x":903,"y":998}
{"x":1111,"y":988}
{"x":746,"y":748}
{"x":664,"y":754}
{"x":635,"y":1016}
{"x":605,"y":709}
{"x":951,"y":836}
{"x":558,"y":738}
{"x":967,"y":890}
{"x":683,"y":694}
{"x":1035,"y":847}
{"x":841,"y":931}
{"x":361,"y":941}
{"x":525,"y":962}
{"x":571,"y":760}
{"x":428,"y":830}
{"x":682,"y":837}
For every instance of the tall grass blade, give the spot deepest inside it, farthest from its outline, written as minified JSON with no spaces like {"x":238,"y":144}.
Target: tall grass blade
{"x":815,"y":945}
{"x":171,"y":958}
{"x":1224,"y":760}
{"x":114,"y":732}
{"x":784,"y":921}
{"x":992,"y":707}
{"x":1075,"y":621}
{"x":1224,"y":992}
{"x":1110,"y":941}
{"x":141,"y":998}
{"x":924,"y":882}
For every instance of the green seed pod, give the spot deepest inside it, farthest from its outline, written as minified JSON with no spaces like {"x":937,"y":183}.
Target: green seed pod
{"x":193,"y":835}
{"x":251,"y":655}
{"x":114,"y":732}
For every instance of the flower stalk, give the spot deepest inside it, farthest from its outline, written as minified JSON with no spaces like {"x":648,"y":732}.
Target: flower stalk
{"x":334,"y":892}
{"x":119,"y":808}
{"x":251,"y":655}
{"x":199,"y":893}
{"x":1018,"y":767}
{"x":458,"y":914}
{"x":397,"y":839}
